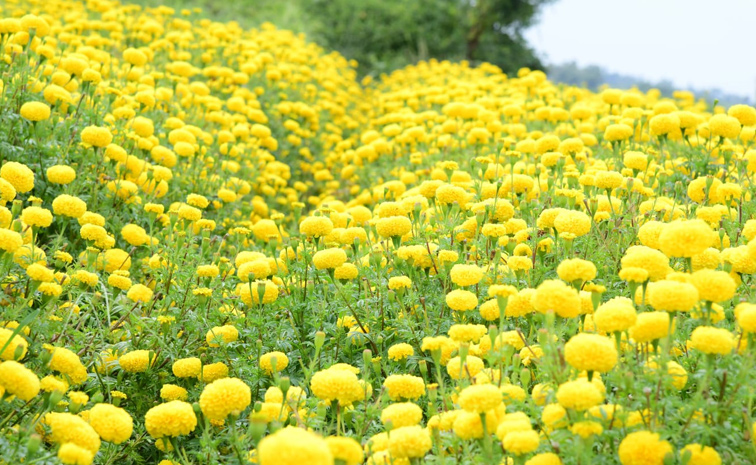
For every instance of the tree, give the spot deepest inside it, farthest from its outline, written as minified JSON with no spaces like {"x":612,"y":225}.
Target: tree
{"x":385,"y":34}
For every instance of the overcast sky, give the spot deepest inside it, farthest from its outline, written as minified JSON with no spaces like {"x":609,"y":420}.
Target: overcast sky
{"x":693,"y":43}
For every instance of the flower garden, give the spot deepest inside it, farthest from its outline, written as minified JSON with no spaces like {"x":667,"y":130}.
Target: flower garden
{"x":219,"y":245}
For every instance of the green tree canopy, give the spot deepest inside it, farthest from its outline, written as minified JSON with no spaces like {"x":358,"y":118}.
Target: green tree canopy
{"x":385,"y":34}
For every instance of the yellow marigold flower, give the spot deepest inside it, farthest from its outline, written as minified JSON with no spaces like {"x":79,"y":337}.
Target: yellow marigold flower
{"x":521,"y":442}
{"x":18,"y":175}
{"x":35,"y":111}
{"x":447,"y":194}
{"x":68,"y":205}
{"x":545,"y":458}
{"x":208,"y":271}
{"x":480,"y":398}
{"x":633,"y":275}
{"x":36,"y":216}
{"x":188,"y":213}
{"x":52,"y":384}
{"x":67,"y":363}
{"x":224,"y":397}
{"x":171,"y":419}
{"x":664,"y":124}
{"x":17,"y":380}
{"x":294,"y":446}
{"x":171,"y":392}
{"x":699,"y":454}
{"x":399,"y":282}
{"x":256,"y":269}
{"x":467,"y":333}
{"x":650,"y":326}
{"x":336,"y":385}
{"x":250,"y":293}
{"x":635,"y":160}
{"x":608,"y":179}
{"x":187,"y":367}
{"x":649,"y":233}
{"x":555,"y":296}
{"x":472,"y":366}
{"x":617,"y":132}
{"x":281,"y":362}
{"x":586,"y":429}
{"x":590,"y":352}
{"x":136,"y":361}
{"x":685,"y":238}
{"x":653,"y":261}
{"x":112,"y":423}
{"x":329,"y":258}
{"x":66,"y":427}
{"x":466,"y":275}
{"x":393,"y":226}
{"x":154,"y":208}
{"x":139,"y":293}
{"x":710,"y":340}
{"x":10,"y":241}
{"x":572,"y":222}
{"x":461,"y":300}
{"x":135,"y":57}
{"x":348,"y":450}
{"x":618,"y":314}
{"x":221,"y":335}
{"x":213,"y":371}
{"x":577,"y":270}
{"x":643,"y":448}
{"x":724,"y":126}
{"x":15,"y":348}
{"x":72,"y":454}
{"x":579,"y":395}
{"x":135,"y":235}
{"x":40,"y":273}
{"x":396,"y":352}
{"x":316,"y":226}
{"x":404,"y":387}
{"x":409,"y":442}
{"x":96,"y":136}
{"x":713,"y":286}
{"x":402,"y":414}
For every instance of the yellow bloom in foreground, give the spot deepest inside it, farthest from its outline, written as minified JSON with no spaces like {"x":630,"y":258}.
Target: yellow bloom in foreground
{"x":96,"y":136}
{"x":136,"y":361}
{"x":18,"y":380}
{"x":700,"y":455}
{"x":172,"y":419}
{"x":279,"y":358}
{"x":18,"y":175}
{"x":66,"y":427}
{"x":557,"y":297}
{"x":580,"y":394}
{"x":591,"y":352}
{"x":112,"y":423}
{"x":466,"y":275}
{"x":72,"y":454}
{"x":480,"y":398}
{"x":345,"y":449}
{"x":224,"y":397}
{"x":643,"y":448}
{"x":461,"y":300}
{"x":35,"y":111}
{"x":294,"y":446}
{"x":409,"y":442}
{"x":710,"y":340}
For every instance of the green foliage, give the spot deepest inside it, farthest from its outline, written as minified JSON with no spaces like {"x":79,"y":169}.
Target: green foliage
{"x":383,"y":35}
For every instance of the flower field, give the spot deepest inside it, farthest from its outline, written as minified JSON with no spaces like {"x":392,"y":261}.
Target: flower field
{"x":221,"y":245}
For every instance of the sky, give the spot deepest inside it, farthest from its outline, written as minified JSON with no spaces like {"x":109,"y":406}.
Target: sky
{"x":693,"y":43}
